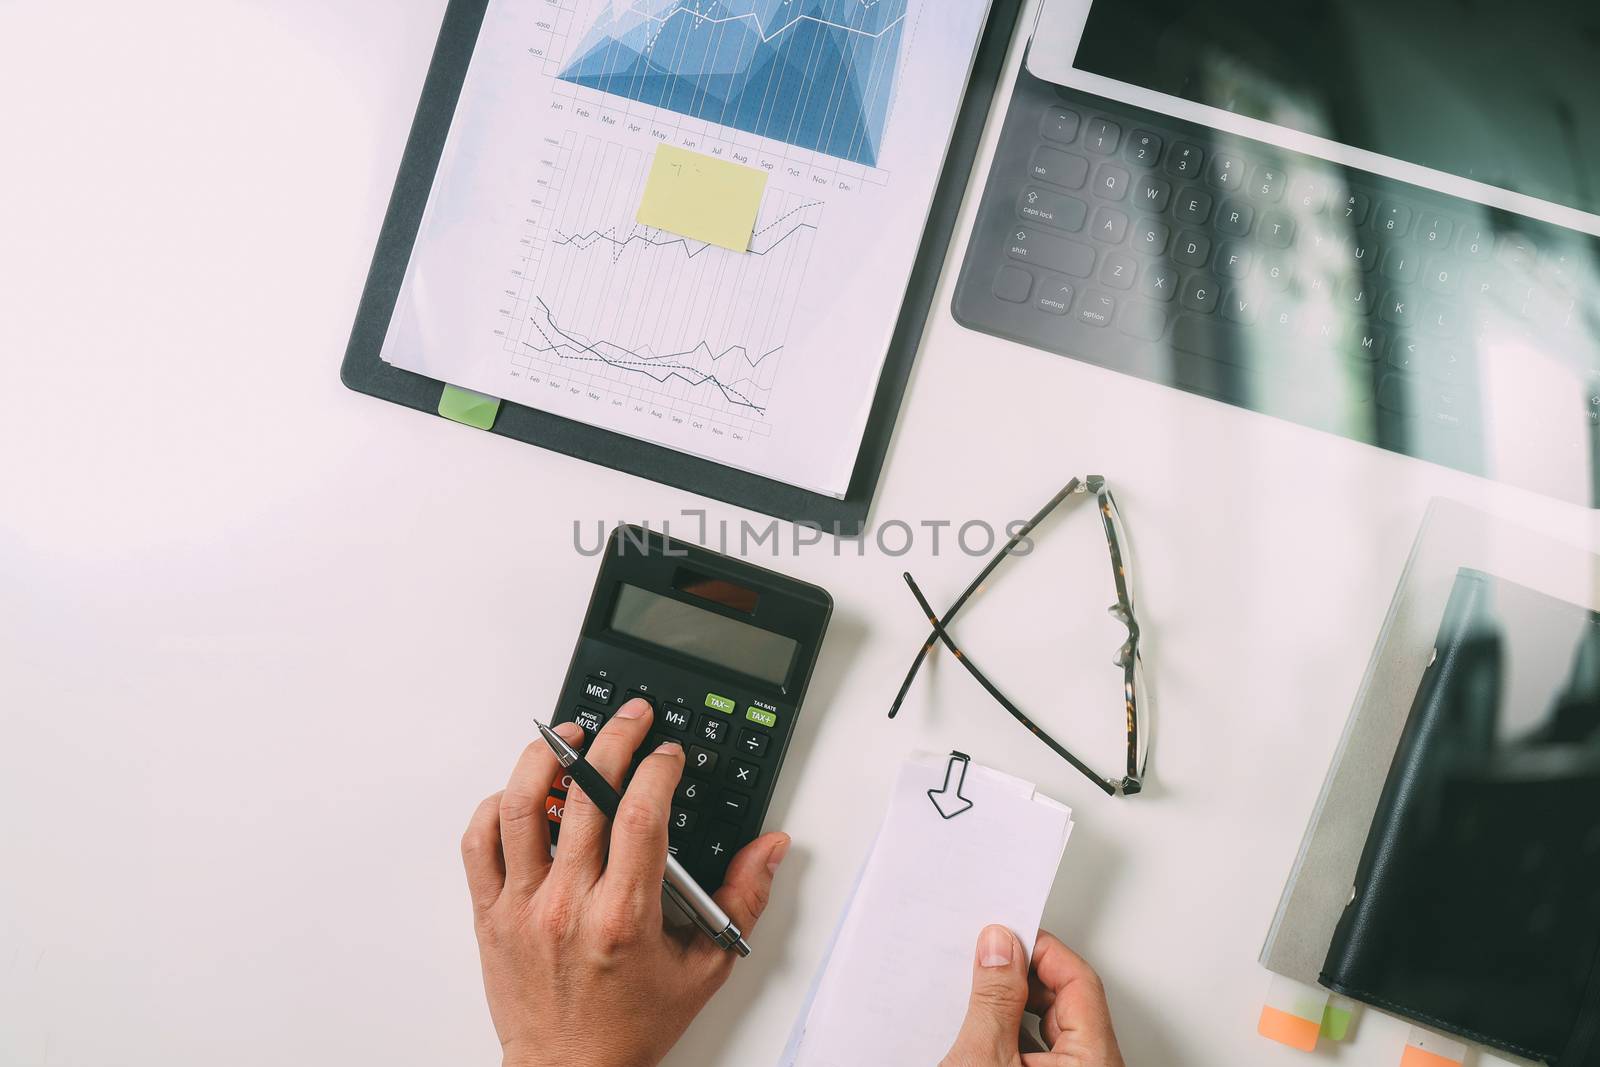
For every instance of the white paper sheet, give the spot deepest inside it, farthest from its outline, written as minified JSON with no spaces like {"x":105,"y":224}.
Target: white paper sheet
{"x":894,"y":987}
{"x":532,"y":280}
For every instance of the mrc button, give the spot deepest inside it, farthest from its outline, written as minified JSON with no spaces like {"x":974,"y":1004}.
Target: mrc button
{"x":598,"y":690}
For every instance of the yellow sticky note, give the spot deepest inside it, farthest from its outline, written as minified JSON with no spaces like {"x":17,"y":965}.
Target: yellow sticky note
{"x":702,"y":198}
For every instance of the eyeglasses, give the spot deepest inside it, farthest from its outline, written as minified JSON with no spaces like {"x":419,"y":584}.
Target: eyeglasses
{"x":1127,"y":657}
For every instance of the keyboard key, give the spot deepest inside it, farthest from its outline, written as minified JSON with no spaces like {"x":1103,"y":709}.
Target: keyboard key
{"x":1055,"y":296}
{"x":1517,"y":252}
{"x":1102,"y":136}
{"x":1353,"y":209}
{"x":1152,"y":193}
{"x":720,"y":703}
{"x":555,"y":808}
{"x":682,"y":821}
{"x":1144,"y":321}
{"x":743,"y":774}
{"x":1097,"y":309}
{"x":1404,"y":353}
{"x":1475,"y":243}
{"x":713,"y":730}
{"x":1185,"y":160}
{"x":1150,"y":237}
{"x":1308,"y":193}
{"x":1434,"y":231}
{"x":598,"y":690}
{"x":590,"y":720}
{"x":675,"y":718}
{"x":753,"y":742}
{"x":1234,"y":218}
{"x":1143,"y":150}
{"x":1367,"y":345}
{"x":1159,"y":282}
{"x":1212,"y":339}
{"x":1392,"y":220}
{"x":1111,"y":182}
{"x":689,"y":794}
{"x":1052,"y":209}
{"x":761,"y":717}
{"x":1110,"y":225}
{"x":1239,"y":306}
{"x":702,"y":760}
{"x":1192,"y":249}
{"x":1058,"y":168}
{"x":1118,"y":270}
{"x":1363,"y":254}
{"x":1013,"y":284}
{"x":1396,"y":309}
{"x":721,"y":841}
{"x":1439,"y":316}
{"x":1194,"y":206}
{"x":1277,"y":229}
{"x":1233,"y":259}
{"x":1267,"y":183}
{"x":1226,"y":172}
{"x":1356,"y":295}
{"x":733,"y":805}
{"x":1401,"y":264}
{"x":1200,"y":294}
{"x":1277,"y":270}
{"x":1060,"y":125}
{"x":1439,"y":275}
{"x":1051,"y":252}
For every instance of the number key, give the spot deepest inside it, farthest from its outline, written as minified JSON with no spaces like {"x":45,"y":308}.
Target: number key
{"x":690,"y":793}
{"x":1102,"y":136}
{"x":702,"y":759}
{"x":1185,"y":160}
{"x":1227,"y":172}
{"x":1144,"y":149}
{"x":682,"y":821}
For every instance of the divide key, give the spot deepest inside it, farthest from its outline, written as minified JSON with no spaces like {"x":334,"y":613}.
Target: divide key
{"x":1030,"y":245}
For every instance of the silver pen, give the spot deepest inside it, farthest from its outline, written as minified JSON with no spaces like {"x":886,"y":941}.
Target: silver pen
{"x":678,"y":884}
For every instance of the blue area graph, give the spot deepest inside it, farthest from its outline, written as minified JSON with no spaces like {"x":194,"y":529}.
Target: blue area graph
{"x":817,"y":74}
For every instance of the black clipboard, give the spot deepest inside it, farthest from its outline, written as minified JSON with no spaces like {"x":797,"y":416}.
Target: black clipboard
{"x":365,"y":371}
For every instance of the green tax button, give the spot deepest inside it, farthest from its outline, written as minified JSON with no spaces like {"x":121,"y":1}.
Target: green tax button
{"x":716,"y":703}
{"x":761,"y":718}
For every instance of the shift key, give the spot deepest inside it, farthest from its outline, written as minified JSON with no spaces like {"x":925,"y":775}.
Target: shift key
{"x":1052,"y":209}
{"x":1034,"y":246}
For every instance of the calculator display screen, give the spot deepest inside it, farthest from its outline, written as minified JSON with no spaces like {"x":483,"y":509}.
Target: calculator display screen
{"x":705,"y":635}
{"x":1505,"y":94}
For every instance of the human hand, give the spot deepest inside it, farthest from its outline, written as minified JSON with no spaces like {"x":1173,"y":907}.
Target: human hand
{"x":1062,"y":990}
{"x":576,"y":962}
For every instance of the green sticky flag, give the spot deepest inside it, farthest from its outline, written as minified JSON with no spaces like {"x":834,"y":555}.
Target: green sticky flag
{"x":469,"y":408}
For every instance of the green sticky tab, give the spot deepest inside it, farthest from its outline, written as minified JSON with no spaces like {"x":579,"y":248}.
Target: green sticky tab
{"x":760,"y":717}
{"x":469,"y":408}
{"x":1336,"y":1019}
{"x":702,"y":197}
{"x":716,"y":703}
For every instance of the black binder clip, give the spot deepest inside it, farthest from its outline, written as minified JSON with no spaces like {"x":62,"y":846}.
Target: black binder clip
{"x":948,"y":800}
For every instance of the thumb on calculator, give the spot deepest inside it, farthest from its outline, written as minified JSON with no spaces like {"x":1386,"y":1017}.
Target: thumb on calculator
{"x":988,"y":1036}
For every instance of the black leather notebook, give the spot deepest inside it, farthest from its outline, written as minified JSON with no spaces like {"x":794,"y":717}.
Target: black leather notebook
{"x":1476,"y":906}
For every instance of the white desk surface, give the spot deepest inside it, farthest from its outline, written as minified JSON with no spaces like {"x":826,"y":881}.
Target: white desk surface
{"x":264,"y":642}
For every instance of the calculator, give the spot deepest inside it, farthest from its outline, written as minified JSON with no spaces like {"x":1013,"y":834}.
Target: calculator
{"x":723,"y":651}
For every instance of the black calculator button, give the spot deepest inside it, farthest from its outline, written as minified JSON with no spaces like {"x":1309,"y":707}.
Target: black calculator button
{"x":733,"y":805}
{"x":675,"y":718}
{"x":713,"y":730}
{"x":753,"y":742}
{"x":721,"y":842}
{"x":690,"y":793}
{"x":682,"y":821}
{"x":744,"y":774}
{"x":590,"y":720}
{"x":634,"y":694}
{"x":702,"y":759}
{"x":598,"y":690}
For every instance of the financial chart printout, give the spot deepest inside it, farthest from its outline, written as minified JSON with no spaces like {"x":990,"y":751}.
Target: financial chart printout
{"x":533,"y":280}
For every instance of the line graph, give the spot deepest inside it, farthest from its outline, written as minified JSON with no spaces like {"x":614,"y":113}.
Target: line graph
{"x":644,"y":319}
{"x":816,"y":74}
